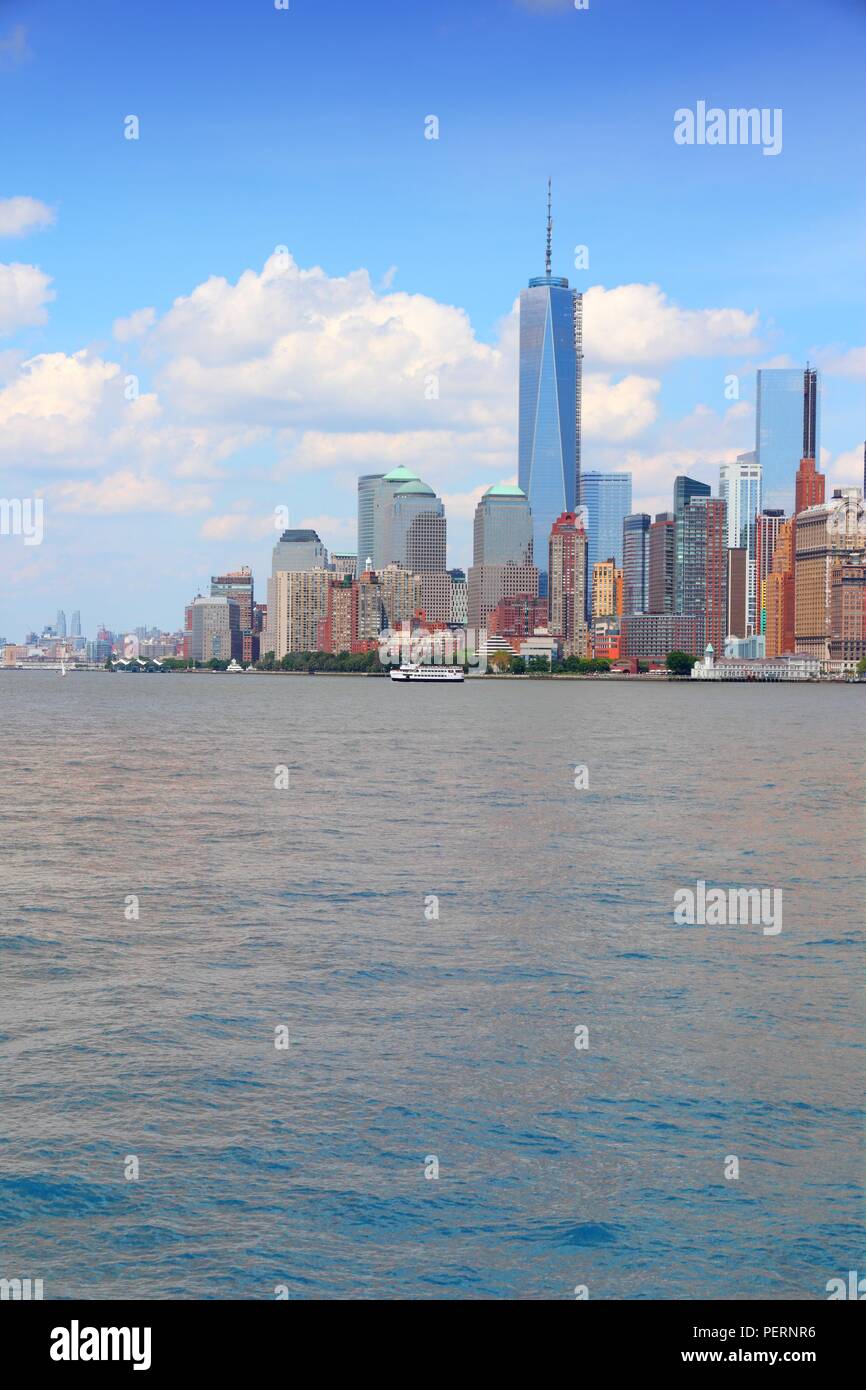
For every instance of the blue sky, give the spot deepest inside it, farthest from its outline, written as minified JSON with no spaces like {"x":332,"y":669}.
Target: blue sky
{"x":304,"y":129}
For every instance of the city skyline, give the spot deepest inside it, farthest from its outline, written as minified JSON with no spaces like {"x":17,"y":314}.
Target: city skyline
{"x":205,"y":308}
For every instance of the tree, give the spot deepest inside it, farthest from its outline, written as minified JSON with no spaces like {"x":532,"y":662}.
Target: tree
{"x":518,"y":666}
{"x":861,"y":666}
{"x":501,"y":661}
{"x":680,"y":663}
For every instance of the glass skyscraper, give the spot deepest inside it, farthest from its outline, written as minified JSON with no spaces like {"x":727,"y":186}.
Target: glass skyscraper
{"x":787,"y":424}
{"x":635,"y":563}
{"x":740,"y":486}
{"x":551,"y":351}
{"x":607,"y":498}
{"x":684,"y":490}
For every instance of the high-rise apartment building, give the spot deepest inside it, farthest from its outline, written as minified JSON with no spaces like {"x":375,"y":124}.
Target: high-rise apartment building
{"x":488,"y":584}
{"x":236,"y":584}
{"x":822,"y":534}
{"x":779,"y":594}
{"x":344,"y":565}
{"x":635,"y":562}
{"x":300,"y":605}
{"x":662,"y":554}
{"x":704,"y":567}
{"x":551,"y":353}
{"x":606,"y":590}
{"x":566,"y":566}
{"x":684,"y":490}
{"x":767,"y":524}
{"x":848,"y":610}
{"x":740,"y":487}
{"x":787,"y":422}
{"x":399,"y":593}
{"x":737,"y":623}
{"x":459,"y":615}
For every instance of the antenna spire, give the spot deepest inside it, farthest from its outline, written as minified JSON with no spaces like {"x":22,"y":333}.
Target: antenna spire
{"x":549,"y":231}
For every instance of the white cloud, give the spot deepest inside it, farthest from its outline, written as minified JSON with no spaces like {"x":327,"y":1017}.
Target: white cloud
{"x":846,"y":363}
{"x":846,"y":469}
{"x":134,"y":326}
{"x":126,"y":492}
{"x":20,"y":216}
{"x":617,"y":410}
{"x":24,"y":292}
{"x":638,"y":325}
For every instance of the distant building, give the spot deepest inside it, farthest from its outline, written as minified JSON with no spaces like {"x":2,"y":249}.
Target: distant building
{"x":607,"y":498}
{"x":635,"y":562}
{"x":787,"y":422}
{"x":60,"y":625}
{"x":752,"y":648}
{"x":779,"y":594}
{"x":780,"y":668}
{"x":215,"y":630}
{"x":436,"y":596}
{"x":367,"y":491}
{"x":299,"y":549}
{"x":503,"y":527}
{"x":704,"y":565}
{"x":459,"y":599}
{"x":399,"y":593}
{"x":822,"y":534}
{"x":567,"y":561}
{"x":685,"y":489}
{"x":343,"y":565}
{"x":517,"y":616}
{"x":652,"y":636}
{"x":300,"y":604}
{"x":848,"y":610}
{"x":75,"y":625}
{"x":740,"y":488}
{"x":808,"y":486}
{"x":236,"y":584}
{"x":607,"y":590}
{"x":490,"y":583}
{"x":737,"y":623}
{"x":767,"y":525}
{"x":662,"y":551}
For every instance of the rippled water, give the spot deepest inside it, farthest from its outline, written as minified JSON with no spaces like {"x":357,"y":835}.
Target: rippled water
{"x":412,"y":1037}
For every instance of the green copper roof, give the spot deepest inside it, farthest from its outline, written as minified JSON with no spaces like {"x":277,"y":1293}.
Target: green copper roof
{"x":505,"y":490}
{"x":415,"y":486}
{"x":400,"y":475}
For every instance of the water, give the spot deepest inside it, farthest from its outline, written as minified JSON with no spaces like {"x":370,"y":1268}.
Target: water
{"x":410,"y":1037}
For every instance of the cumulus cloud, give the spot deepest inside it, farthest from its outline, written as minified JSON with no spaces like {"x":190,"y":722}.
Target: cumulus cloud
{"x":125,"y":492}
{"x":638,"y":325}
{"x":134,"y":326}
{"x":20,"y":216}
{"x":24,"y":292}
{"x":846,"y":363}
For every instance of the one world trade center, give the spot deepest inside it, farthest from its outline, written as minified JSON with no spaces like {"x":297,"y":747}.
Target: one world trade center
{"x":551,"y":352}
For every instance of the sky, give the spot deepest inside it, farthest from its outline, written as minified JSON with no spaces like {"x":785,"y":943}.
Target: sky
{"x":282,"y":282}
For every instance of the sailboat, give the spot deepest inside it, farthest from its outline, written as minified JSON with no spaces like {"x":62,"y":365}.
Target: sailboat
{"x":62,"y":667}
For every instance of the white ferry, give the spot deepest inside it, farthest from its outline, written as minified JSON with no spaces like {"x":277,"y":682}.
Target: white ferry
{"x":411,"y":671}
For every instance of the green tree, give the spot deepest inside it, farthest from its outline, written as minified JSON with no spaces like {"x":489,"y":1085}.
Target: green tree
{"x":861,"y":666}
{"x":680,"y":663}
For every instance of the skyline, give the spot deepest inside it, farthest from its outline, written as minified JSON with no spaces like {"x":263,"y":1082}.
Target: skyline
{"x":244,"y":406}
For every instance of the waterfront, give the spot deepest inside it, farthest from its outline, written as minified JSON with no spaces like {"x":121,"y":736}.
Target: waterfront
{"x":409,"y":1037}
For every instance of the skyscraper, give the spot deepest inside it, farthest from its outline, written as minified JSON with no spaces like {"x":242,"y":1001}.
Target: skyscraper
{"x":551,"y":353}
{"x":704,"y":568}
{"x":75,"y":625}
{"x":566,"y":583}
{"x":607,"y":498}
{"x":684,"y":490}
{"x":635,"y":563}
{"x":662,"y":551}
{"x":215,"y":629}
{"x":740,"y":486}
{"x":416,"y":529}
{"x":383,"y":491}
{"x":787,"y":422}
{"x":779,"y":594}
{"x":366,"y":509}
{"x":822,"y":534}
{"x":503,"y":527}
{"x":60,"y":625}
{"x":808,"y":486}
{"x":767,"y":525}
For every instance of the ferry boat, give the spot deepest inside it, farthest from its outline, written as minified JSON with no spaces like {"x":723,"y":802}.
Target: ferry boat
{"x":412,"y":671}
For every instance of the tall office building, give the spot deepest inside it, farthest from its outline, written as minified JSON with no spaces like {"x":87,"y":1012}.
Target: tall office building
{"x":787,"y":422}
{"x":383,"y":490}
{"x":737,"y":623}
{"x":779,"y":594}
{"x":214,"y":629}
{"x":367,"y":486}
{"x":705,"y":566}
{"x":662,"y":551}
{"x":808,"y":486}
{"x":299,"y":549}
{"x":606,"y":590}
{"x":684,"y":490}
{"x":607,"y":498}
{"x":236,"y":584}
{"x":503,"y":527}
{"x":60,"y":625}
{"x":344,"y":565}
{"x":459,"y":615}
{"x":822,"y":534}
{"x":75,"y":625}
{"x":416,"y":529}
{"x":635,"y":563}
{"x":767,"y":524}
{"x":848,"y":610}
{"x":551,"y":354}
{"x":566,"y":567}
{"x":740,"y":486}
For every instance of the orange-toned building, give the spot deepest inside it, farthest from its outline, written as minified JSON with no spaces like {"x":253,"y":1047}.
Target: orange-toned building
{"x":779,"y":594}
{"x":808,"y":486}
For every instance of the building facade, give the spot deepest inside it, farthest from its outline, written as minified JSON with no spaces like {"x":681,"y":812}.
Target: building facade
{"x":685,"y":489}
{"x":779,"y":594}
{"x":822,"y":534}
{"x":740,"y":488}
{"x":635,"y":562}
{"x":848,"y":610}
{"x":787,"y":422}
{"x":704,"y":567}
{"x":215,"y":629}
{"x":607,"y":498}
{"x":662,"y":554}
{"x":566,"y":564}
{"x":300,"y":605}
{"x":502,"y":532}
